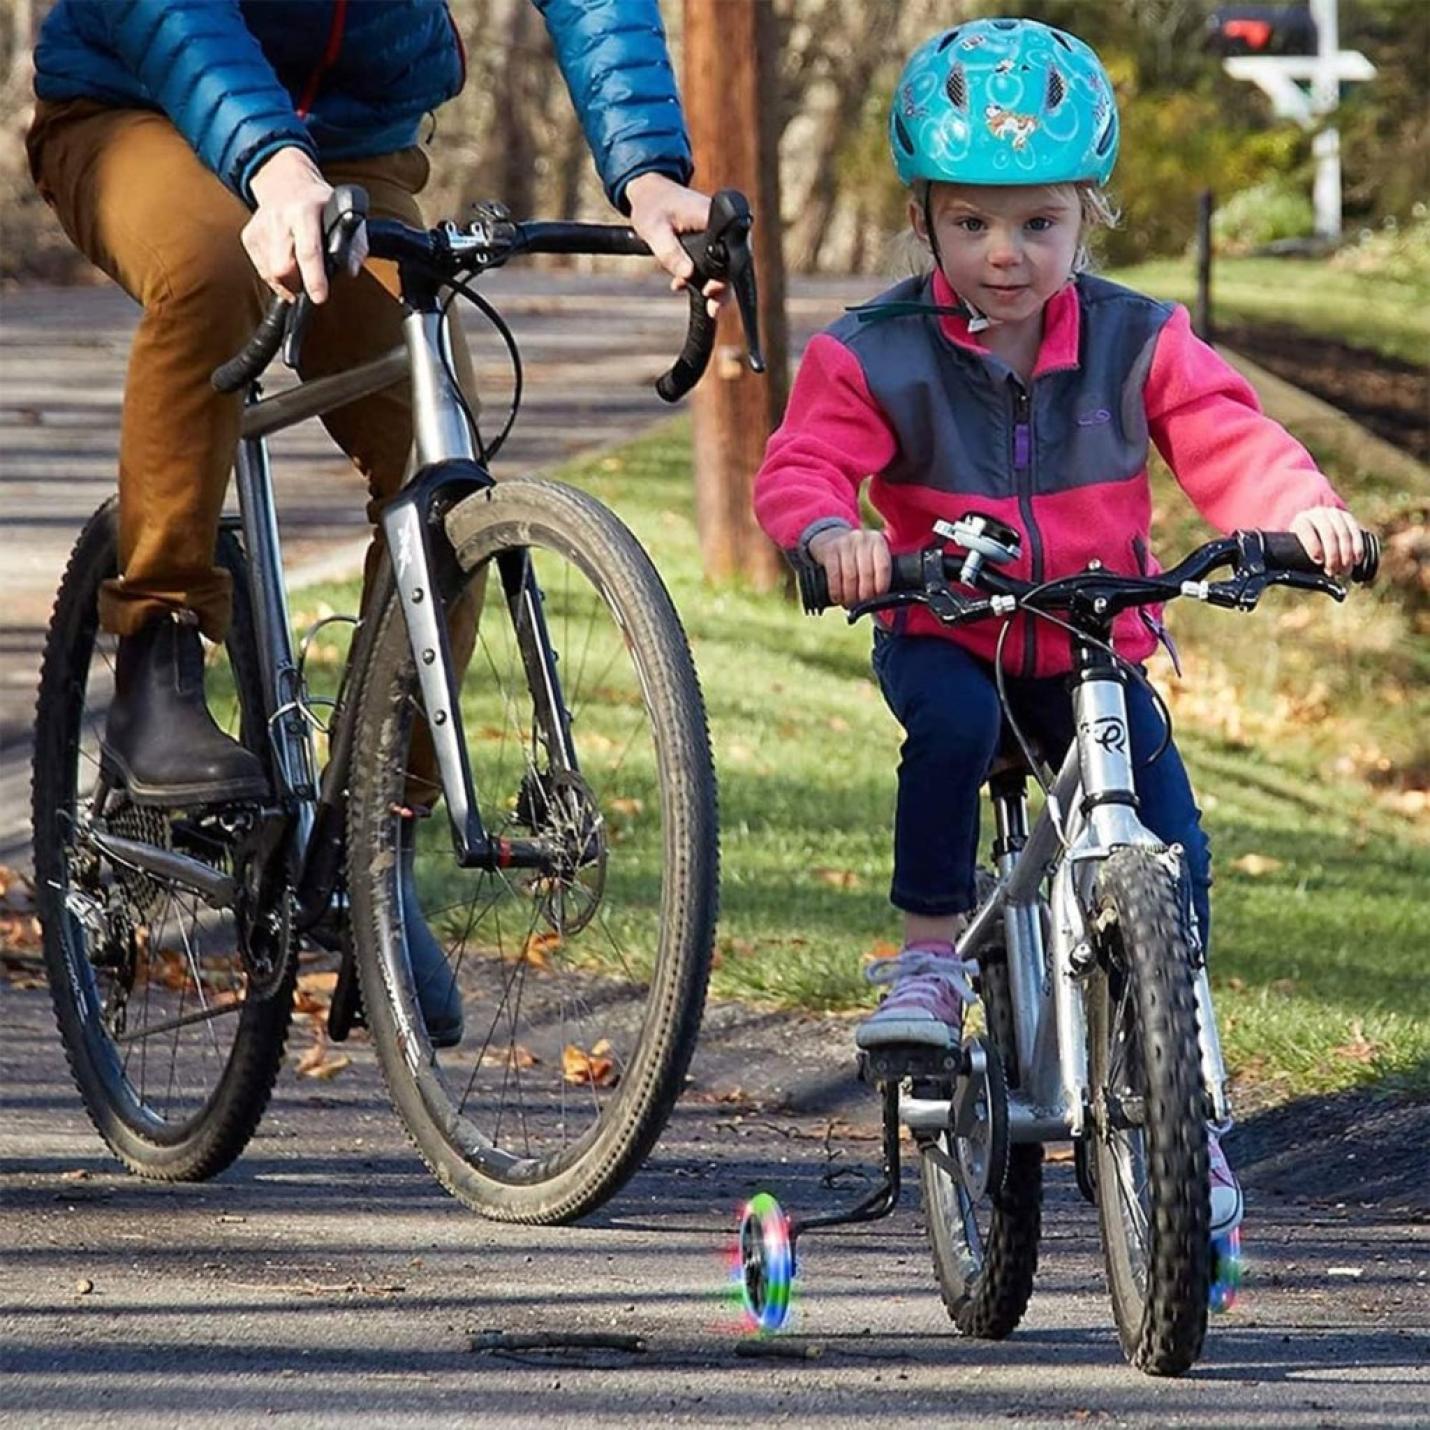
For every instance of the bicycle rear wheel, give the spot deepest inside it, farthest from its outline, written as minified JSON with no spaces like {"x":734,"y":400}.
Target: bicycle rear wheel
{"x":1149,"y":1142}
{"x":172,"y":1043}
{"x":985,"y":1253}
{"x":583,"y":982}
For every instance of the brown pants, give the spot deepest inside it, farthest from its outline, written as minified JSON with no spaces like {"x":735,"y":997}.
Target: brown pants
{"x":136,"y":200}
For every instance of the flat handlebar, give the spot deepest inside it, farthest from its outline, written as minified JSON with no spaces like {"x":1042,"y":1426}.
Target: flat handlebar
{"x":1257,"y":559}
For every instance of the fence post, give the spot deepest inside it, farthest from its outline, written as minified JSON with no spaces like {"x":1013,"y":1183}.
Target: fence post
{"x":1202,"y":319}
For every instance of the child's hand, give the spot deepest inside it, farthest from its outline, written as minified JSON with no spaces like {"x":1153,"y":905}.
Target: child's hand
{"x":1331,"y":536}
{"x":856,"y":563}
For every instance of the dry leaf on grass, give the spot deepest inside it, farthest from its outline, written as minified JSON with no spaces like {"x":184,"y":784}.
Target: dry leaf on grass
{"x":882,"y":949}
{"x":839,"y":878}
{"x":1359,"y":1049}
{"x":597,"y":1067}
{"x":1257,"y":864}
{"x":626,"y":805}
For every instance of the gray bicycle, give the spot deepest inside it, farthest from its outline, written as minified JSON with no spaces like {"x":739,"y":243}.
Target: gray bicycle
{"x":572,"y":884}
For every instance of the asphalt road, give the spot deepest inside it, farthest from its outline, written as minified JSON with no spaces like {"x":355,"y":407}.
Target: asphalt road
{"x":326,"y":1280}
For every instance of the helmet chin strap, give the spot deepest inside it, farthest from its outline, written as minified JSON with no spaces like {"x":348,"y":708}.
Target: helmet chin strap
{"x":977,"y":321}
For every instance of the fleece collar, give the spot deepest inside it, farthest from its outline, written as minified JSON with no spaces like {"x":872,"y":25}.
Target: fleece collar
{"x":1061,"y":326}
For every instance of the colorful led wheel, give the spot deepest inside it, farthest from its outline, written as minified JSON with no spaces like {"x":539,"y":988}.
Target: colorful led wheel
{"x":766,"y":1266}
{"x":1226,"y":1270}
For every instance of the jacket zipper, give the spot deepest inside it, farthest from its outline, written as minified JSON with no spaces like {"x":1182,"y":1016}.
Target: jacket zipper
{"x":1023,"y":480}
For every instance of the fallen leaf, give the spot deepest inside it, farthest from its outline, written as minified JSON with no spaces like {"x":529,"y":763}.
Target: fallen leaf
{"x":1359,"y":1049}
{"x":538,"y":948}
{"x":321,"y":984}
{"x":312,"y":1059}
{"x":596,"y":1067}
{"x":1257,"y":864}
{"x":330,"y":1067}
{"x":882,"y":949}
{"x":515,"y":1056}
{"x":626,"y":805}
{"x":839,"y":878}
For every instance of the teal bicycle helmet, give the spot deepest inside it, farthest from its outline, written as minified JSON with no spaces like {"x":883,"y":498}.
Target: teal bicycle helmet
{"x":1004,"y":102}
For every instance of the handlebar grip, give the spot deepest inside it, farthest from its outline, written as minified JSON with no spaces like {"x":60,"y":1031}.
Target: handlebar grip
{"x":1284,"y":552}
{"x":813,"y":584}
{"x":257,"y":352}
{"x":694,"y":357}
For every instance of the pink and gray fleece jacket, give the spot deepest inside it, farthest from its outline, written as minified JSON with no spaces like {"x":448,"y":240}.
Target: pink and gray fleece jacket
{"x":915,"y":402}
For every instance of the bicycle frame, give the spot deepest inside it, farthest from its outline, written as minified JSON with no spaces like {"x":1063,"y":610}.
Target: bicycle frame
{"x":445,"y":469}
{"x":1091,"y":810}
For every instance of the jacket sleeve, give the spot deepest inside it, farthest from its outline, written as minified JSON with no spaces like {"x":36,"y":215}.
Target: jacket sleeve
{"x":614,"y":59}
{"x":833,"y":436}
{"x":1239,"y":467}
{"x":205,"y":70}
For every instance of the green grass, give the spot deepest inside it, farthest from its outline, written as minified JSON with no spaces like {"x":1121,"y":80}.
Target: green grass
{"x":1319,"y":961}
{"x":1370,"y":311}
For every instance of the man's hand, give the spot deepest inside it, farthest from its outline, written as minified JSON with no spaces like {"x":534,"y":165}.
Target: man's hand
{"x":1331,"y":536}
{"x":660,"y":210}
{"x":284,"y":238}
{"x":856,"y":563}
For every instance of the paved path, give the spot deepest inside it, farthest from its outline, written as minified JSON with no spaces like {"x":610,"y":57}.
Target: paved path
{"x":326,"y":1280}
{"x":591,"y":349}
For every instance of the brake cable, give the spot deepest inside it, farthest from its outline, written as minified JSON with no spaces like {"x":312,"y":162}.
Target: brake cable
{"x":485,"y":453}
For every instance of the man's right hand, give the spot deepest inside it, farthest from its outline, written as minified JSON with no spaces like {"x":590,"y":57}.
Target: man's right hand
{"x":856,"y":563}
{"x":284,"y":238}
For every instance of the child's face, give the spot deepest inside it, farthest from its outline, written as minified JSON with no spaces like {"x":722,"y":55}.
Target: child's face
{"x":1006,"y":250}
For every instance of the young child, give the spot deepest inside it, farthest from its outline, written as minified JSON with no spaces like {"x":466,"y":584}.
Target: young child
{"x":1009,"y":381}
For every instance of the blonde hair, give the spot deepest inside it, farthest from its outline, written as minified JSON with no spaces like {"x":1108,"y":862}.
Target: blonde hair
{"x":1096,"y":210}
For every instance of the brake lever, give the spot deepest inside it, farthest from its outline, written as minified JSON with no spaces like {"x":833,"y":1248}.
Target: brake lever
{"x":722,"y":254}
{"x":345,"y":213}
{"x":887,"y":602}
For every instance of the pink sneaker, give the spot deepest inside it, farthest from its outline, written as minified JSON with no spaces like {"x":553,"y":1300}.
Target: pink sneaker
{"x":1227,"y":1204}
{"x":925,"y":1005}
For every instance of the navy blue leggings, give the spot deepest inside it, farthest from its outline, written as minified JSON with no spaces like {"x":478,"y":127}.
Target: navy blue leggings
{"x":947,"y":703}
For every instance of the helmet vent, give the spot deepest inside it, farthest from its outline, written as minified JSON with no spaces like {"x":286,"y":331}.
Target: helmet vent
{"x":903,"y":135}
{"x":1006,"y":24}
{"x":1062,"y":39}
{"x":948,"y":39}
{"x":957,"y":87}
{"x":1057,"y":90}
{"x":1104,"y":142}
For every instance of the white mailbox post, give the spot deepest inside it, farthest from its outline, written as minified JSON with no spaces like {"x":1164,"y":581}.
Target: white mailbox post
{"x":1280,"y":77}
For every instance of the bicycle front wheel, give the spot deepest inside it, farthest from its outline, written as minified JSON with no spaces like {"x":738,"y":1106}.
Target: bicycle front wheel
{"x":582,"y":981}
{"x":1149,"y":1115}
{"x":173,"y":1042}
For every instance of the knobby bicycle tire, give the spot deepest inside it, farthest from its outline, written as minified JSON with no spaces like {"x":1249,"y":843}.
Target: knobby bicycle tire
{"x":203,"y":1144}
{"x":1144,"y":1061}
{"x":502,"y":523}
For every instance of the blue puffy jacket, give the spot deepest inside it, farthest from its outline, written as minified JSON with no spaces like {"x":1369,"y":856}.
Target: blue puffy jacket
{"x":347,"y":79}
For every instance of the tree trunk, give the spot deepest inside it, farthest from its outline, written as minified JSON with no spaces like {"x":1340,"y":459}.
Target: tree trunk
{"x":730,"y":101}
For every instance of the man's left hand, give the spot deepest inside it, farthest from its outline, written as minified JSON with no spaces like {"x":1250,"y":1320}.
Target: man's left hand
{"x":661,"y":209}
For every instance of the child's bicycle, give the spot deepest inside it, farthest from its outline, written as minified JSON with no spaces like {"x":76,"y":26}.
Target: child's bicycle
{"x":574,"y":885}
{"x":1096,"y":1008}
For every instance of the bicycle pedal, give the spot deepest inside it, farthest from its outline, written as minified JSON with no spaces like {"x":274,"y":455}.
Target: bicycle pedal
{"x":909,"y":1060}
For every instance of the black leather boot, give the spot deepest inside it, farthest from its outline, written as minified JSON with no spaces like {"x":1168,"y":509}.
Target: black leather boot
{"x":432,"y":976}
{"x":160,"y":737}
